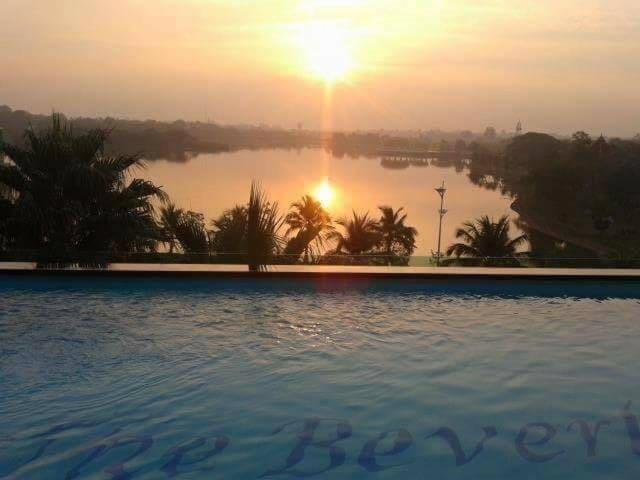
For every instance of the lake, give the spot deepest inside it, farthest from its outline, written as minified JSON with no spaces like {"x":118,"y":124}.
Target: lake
{"x":212,"y":183}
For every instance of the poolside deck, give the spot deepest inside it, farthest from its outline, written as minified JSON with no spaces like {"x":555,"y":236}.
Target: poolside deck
{"x":300,"y":271}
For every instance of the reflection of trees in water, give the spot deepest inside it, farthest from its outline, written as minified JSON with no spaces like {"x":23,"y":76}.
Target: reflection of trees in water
{"x":172,"y":156}
{"x":442,"y":163}
{"x":395,"y":163}
{"x":353,"y":153}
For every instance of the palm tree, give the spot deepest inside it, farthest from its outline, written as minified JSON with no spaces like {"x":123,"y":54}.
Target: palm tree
{"x":263,"y":226}
{"x":361,"y":235}
{"x":68,"y":195}
{"x":170,"y":217}
{"x":397,"y":239}
{"x":230,"y":231}
{"x":311,"y":223}
{"x":120,"y":219}
{"x":191,"y":233}
{"x":485,"y":238}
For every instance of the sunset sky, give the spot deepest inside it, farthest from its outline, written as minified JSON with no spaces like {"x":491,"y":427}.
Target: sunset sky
{"x":558,"y":66}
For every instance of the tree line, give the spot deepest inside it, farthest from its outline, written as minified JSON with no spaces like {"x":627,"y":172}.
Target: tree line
{"x":305,"y":234}
{"x":581,"y":189}
{"x":64,"y":196}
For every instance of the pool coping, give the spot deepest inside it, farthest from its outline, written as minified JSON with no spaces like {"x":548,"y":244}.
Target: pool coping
{"x":327,"y":272}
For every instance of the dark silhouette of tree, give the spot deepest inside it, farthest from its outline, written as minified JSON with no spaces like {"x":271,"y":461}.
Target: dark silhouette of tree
{"x":360,"y":235}
{"x":170,"y":217}
{"x":396,"y":238}
{"x":191,"y":233}
{"x":5,"y":200}
{"x":532,"y":151}
{"x":582,"y":189}
{"x":490,"y":133}
{"x":263,"y":226}
{"x":311,"y":224}
{"x":230,"y":231}
{"x":486,"y":239}
{"x":581,"y":138}
{"x":68,"y":196}
{"x":249,"y":233}
{"x":183,"y":231}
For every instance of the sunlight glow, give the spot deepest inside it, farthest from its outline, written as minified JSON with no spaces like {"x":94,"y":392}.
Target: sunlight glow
{"x":325,"y":194}
{"x":327,"y":53}
{"x":322,"y":8}
{"x":320,"y":4}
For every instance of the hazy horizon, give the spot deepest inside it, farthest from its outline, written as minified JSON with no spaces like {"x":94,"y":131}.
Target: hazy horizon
{"x":435,"y":64}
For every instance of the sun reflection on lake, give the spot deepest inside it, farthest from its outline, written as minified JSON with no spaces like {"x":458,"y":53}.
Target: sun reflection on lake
{"x":325,"y":193}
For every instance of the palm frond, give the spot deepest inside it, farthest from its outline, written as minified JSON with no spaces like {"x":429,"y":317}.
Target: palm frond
{"x":263,"y":227}
{"x":486,"y":238}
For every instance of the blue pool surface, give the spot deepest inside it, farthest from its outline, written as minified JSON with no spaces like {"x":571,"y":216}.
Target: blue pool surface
{"x":134,"y":378}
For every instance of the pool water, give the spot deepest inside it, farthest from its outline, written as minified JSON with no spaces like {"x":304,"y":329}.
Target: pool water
{"x":325,"y":379}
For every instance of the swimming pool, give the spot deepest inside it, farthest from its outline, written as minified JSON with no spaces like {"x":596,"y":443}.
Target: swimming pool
{"x":144,"y":378}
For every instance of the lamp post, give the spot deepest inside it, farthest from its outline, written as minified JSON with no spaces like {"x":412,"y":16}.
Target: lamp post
{"x":441,"y":191}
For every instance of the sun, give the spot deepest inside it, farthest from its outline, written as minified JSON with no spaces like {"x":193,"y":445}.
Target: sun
{"x":326,"y":50}
{"x":325,"y":194}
